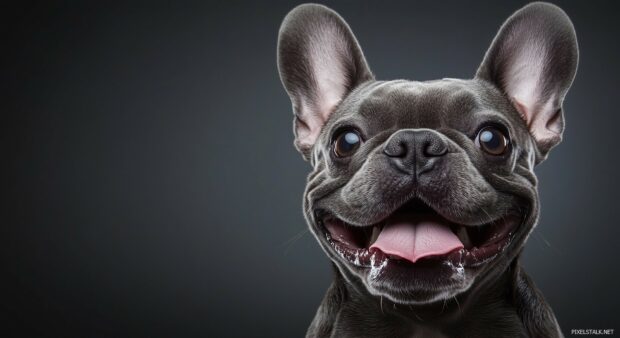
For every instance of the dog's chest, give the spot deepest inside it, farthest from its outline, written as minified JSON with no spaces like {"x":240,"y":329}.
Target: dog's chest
{"x":425,"y":332}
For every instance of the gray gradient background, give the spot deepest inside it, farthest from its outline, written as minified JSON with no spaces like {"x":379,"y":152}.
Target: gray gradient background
{"x":153,"y":187}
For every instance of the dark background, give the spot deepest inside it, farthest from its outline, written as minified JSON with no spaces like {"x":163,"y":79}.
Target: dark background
{"x":153,"y":188}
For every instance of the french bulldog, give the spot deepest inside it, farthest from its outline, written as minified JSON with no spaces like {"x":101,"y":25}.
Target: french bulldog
{"x":423,"y":194}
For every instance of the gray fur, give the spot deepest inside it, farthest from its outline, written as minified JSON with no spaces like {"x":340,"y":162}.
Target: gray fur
{"x":464,"y":185}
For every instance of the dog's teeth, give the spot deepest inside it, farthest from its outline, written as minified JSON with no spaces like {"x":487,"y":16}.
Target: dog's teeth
{"x":375,"y":234}
{"x":461,"y":233}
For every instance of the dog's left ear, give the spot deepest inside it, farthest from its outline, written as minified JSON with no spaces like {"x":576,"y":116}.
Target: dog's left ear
{"x":533,"y":60}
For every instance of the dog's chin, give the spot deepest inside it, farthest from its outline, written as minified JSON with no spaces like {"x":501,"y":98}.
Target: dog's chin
{"x":445,"y":260}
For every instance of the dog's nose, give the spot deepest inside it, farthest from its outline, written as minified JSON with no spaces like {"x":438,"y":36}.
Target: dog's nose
{"x":415,"y":151}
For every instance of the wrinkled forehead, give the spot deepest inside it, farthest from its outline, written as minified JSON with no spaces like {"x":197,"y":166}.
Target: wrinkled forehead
{"x":401,"y":104}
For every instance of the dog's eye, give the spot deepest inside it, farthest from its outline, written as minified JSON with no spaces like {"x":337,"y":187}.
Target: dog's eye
{"x":492,"y":141}
{"x":346,"y":143}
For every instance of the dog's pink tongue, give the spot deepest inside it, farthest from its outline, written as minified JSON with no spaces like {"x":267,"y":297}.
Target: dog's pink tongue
{"x":412,"y":241}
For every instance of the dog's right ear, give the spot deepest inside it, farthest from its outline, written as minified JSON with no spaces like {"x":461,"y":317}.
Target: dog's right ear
{"x":320,"y":62}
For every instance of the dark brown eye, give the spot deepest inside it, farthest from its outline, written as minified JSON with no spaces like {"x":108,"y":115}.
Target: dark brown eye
{"x":346,"y":143}
{"x":492,"y":141}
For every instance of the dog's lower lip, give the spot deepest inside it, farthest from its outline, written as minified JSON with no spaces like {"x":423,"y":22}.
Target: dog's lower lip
{"x":361,"y":255}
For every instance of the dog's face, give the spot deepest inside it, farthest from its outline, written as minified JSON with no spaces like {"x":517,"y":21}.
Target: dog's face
{"x":420,"y":189}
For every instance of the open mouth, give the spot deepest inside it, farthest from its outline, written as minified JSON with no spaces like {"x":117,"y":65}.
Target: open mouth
{"x":415,"y":234}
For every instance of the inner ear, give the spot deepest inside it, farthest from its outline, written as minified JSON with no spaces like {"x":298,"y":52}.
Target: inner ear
{"x":533,"y":60}
{"x":320,"y":62}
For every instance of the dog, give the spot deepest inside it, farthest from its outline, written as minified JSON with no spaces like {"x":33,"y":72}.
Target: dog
{"x":423,"y":194}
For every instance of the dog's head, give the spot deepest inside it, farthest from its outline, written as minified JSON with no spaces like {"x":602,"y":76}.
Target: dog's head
{"x":421,"y":188}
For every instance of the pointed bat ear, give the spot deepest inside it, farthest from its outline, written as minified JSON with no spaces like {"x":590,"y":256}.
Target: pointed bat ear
{"x":533,"y":60}
{"x":320,"y":62}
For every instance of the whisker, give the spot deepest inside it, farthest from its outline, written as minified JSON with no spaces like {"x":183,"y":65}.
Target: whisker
{"x":540,"y":237}
{"x":443,"y":306}
{"x":457,"y":304}
{"x":289,"y":242}
{"x":488,"y":215}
